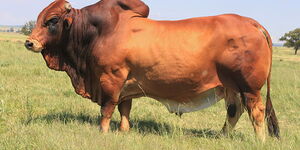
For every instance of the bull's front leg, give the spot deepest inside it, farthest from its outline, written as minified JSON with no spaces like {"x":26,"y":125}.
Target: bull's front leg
{"x":111,"y":82}
{"x":124,"y":109}
{"x":107,"y":111}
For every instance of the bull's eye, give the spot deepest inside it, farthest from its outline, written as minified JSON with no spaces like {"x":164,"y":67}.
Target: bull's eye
{"x":52,"y":21}
{"x":52,"y":28}
{"x":51,"y":24}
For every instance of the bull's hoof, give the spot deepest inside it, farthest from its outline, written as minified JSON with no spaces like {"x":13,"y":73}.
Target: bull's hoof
{"x":124,"y":129}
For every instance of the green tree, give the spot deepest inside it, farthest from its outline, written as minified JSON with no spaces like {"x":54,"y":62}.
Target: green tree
{"x":27,"y":28}
{"x":292,"y":39}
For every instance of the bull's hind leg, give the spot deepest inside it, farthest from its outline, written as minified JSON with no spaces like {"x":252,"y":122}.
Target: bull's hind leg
{"x":235,"y":109}
{"x":124,"y":109}
{"x":256,"y":111}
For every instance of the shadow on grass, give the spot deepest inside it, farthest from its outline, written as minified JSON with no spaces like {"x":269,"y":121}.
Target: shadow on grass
{"x":65,"y":118}
{"x":209,"y":133}
{"x":141,"y":126}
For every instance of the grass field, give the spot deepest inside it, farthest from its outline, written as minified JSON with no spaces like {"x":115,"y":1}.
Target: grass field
{"x":40,"y":110}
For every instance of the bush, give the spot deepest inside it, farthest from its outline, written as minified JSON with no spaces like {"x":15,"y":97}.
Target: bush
{"x":27,"y":28}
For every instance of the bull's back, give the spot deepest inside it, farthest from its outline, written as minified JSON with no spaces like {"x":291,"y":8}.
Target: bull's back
{"x":181,"y":43}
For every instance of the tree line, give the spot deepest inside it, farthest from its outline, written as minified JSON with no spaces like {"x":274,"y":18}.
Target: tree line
{"x":9,"y":29}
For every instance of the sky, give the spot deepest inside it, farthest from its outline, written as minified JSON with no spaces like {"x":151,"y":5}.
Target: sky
{"x":278,"y":16}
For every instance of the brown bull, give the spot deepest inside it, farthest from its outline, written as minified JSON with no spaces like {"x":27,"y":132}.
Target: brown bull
{"x":113,"y":53}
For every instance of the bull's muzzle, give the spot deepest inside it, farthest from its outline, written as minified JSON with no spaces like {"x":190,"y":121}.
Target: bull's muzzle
{"x":33,"y":45}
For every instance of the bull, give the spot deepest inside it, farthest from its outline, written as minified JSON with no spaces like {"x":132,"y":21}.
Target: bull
{"x":113,"y":53}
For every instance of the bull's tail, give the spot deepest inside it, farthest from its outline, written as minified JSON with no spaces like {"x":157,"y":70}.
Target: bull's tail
{"x":270,"y":115}
{"x":272,"y":121}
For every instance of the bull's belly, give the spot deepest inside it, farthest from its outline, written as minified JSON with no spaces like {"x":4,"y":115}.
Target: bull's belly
{"x":197,"y":102}
{"x":201,"y":101}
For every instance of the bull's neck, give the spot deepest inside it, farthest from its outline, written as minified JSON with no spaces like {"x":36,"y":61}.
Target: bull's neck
{"x":82,"y":32}
{"x":80,"y":40}
{"x":73,"y":54}
{"x":77,"y":52}
{"x":88,"y":23}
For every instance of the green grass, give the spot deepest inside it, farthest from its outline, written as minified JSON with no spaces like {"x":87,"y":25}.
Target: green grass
{"x":40,"y":110}
{"x":11,"y":36}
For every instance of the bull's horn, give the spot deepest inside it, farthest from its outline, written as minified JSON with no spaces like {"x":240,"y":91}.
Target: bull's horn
{"x":68,"y":7}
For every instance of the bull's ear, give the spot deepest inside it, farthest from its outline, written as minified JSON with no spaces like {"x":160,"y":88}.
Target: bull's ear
{"x":68,"y":22}
{"x":68,"y":7}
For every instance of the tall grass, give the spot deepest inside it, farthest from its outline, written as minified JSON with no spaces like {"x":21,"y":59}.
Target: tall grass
{"x":40,"y":110}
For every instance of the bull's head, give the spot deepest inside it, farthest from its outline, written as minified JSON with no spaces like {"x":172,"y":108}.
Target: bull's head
{"x":65,"y":37}
{"x":50,"y":25}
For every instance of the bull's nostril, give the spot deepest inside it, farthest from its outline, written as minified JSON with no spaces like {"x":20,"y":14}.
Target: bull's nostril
{"x":28,"y":44}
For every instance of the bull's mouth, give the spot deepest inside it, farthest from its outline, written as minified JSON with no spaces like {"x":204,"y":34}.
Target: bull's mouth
{"x":34,"y":45}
